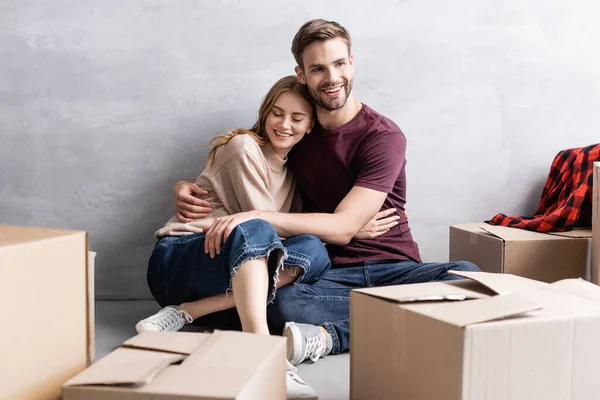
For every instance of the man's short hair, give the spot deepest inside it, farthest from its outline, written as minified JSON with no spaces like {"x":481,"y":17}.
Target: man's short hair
{"x":317,"y":30}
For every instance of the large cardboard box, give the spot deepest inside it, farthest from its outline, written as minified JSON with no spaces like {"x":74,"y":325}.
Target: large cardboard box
{"x":510,"y":338}
{"x":184,"y":365}
{"x":46,"y":291}
{"x":539,"y":256}
{"x":596,"y":226}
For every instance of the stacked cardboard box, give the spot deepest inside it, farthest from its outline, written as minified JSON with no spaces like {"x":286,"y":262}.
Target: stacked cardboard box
{"x":540,"y":256}
{"x":509,"y":338}
{"x":183,"y":365}
{"x":46,"y":291}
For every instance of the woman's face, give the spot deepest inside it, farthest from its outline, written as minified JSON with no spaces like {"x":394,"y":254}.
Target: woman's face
{"x":288,"y":120}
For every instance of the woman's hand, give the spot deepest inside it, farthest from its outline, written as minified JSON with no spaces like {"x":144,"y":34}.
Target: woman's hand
{"x":188,"y":205}
{"x":382,"y":222}
{"x":220,"y":230}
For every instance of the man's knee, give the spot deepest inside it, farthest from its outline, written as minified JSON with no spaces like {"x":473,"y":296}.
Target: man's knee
{"x":465,"y":266}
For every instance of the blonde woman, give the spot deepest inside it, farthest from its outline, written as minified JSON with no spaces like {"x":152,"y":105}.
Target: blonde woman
{"x":246,"y":170}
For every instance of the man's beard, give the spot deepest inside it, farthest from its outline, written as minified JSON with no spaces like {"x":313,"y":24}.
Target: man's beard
{"x":329,"y":104}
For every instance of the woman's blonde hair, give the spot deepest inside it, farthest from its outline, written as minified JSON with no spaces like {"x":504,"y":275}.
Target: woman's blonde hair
{"x":258,"y":132}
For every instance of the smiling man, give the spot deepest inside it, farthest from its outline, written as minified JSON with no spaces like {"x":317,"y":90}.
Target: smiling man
{"x":349,"y":168}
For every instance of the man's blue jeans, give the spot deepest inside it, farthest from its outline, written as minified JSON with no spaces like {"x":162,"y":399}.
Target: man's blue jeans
{"x":327,"y":301}
{"x":179,"y":270}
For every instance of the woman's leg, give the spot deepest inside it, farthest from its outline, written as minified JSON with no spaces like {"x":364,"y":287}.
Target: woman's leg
{"x":182,"y":271}
{"x":253,"y":280}
{"x":179,"y":273}
{"x":208,"y":305}
{"x":250,"y":286}
{"x":250,"y":290}
{"x":225,"y":301}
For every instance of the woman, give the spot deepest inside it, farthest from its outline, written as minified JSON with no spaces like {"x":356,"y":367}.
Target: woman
{"x":246,"y":170}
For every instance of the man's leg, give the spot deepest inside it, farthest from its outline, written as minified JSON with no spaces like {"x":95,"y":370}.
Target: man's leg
{"x":324,"y":304}
{"x":405,"y":272}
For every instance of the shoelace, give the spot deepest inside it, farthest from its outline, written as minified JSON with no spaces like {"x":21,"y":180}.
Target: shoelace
{"x":315,"y":347}
{"x":291,"y":371}
{"x":169,"y":317}
{"x":186,"y":316}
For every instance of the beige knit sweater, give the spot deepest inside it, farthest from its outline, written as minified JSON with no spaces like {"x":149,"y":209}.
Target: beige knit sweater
{"x":244,"y":176}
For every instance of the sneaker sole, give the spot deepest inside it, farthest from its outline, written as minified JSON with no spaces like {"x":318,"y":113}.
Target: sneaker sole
{"x":294,"y":342}
{"x":308,"y":397}
{"x":138,"y":328}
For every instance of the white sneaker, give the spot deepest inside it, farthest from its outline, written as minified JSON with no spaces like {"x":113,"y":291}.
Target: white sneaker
{"x":296,"y":388}
{"x":305,"y":341}
{"x":167,"y":319}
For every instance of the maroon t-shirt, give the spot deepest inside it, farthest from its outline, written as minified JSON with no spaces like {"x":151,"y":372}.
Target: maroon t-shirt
{"x":368,"y":151}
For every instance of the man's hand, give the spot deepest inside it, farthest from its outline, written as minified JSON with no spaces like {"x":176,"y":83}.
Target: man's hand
{"x":382,"y":222}
{"x":188,"y":206}
{"x":220,"y":230}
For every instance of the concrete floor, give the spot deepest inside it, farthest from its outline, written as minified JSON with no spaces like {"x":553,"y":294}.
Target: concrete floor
{"x":115,"y":321}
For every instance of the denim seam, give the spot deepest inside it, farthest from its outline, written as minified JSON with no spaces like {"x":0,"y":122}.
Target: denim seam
{"x":340,"y":298}
{"x":302,"y":257}
{"x":184,"y":239}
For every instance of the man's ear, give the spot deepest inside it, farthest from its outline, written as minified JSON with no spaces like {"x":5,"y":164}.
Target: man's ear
{"x":300,"y":75}
{"x":351,"y":61}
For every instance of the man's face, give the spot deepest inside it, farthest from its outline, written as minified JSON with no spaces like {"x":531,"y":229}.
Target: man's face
{"x":327,"y":73}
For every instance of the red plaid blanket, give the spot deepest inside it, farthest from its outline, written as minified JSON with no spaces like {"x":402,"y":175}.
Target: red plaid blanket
{"x":566,"y":201}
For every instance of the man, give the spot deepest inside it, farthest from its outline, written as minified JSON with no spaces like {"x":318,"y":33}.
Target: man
{"x":350,"y":167}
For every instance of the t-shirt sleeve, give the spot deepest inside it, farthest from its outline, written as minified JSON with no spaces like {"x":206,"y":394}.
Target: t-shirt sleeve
{"x":381,"y":159}
{"x":243,"y":184}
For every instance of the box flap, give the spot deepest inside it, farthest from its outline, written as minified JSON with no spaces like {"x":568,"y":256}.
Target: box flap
{"x":501,"y":283}
{"x":170,"y":342}
{"x":430,"y":291}
{"x":223,"y":348}
{"x":585,"y":233}
{"x":514,"y":234}
{"x":125,"y":367}
{"x":577,"y":286}
{"x":483,"y":310}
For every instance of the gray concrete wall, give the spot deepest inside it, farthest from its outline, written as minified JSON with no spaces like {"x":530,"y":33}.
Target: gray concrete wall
{"x":105,"y":104}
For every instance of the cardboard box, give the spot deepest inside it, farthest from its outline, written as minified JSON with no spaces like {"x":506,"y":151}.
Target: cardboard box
{"x":539,"y":256}
{"x":47,"y":311}
{"x":91,"y":306}
{"x":596,"y":226}
{"x":420,"y":342}
{"x":184,"y":365}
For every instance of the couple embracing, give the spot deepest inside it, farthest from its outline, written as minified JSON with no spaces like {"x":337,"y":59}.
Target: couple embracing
{"x":292,"y":214}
